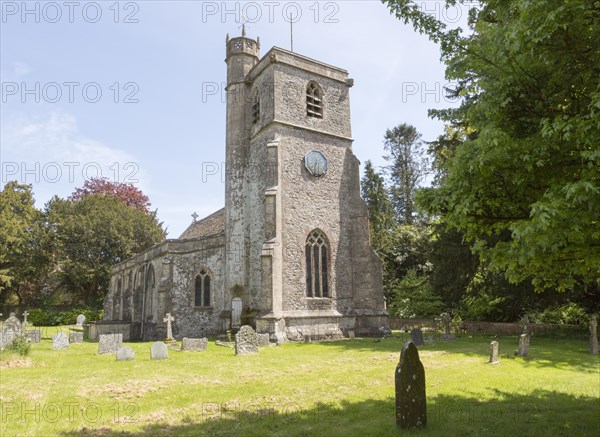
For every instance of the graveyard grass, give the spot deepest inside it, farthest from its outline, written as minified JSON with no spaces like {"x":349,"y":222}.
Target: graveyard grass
{"x":317,"y":389}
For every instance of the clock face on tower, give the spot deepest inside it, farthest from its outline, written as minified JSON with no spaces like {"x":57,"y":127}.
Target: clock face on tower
{"x":316,"y":163}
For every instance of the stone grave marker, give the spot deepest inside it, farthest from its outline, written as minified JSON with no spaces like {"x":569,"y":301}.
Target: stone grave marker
{"x":24,"y":324}
{"x":446,"y":319}
{"x":11,"y":329}
{"x":125,"y":353}
{"x":60,"y":341}
{"x":109,"y":343}
{"x":523,"y":350}
{"x":416,"y":336}
{"x":194,"y":344}
{"x":34,"y":335}
{"x":307,"y":338}
{"x":159,"y":351}
{"x":494,"y":353}
{"x":246,"y":341}
{"x":76,"y":337}
{"x":351,"y":335}
{"x":280,"y":339}
{"x":80,"y":320}
{"x":169,"y":318}
{"x":411,"y":405}
{"x":263,"y":340}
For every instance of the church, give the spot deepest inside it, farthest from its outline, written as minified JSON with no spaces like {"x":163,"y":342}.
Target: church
{"x":290,"y":252}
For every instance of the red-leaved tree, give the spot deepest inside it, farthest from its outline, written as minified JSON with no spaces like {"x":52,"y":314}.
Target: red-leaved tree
{"x":126,"y":192}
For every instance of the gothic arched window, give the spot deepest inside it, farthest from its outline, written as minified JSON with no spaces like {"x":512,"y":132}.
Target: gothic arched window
{"x":202,"y":289}
{"x":314,"y":101}
{"x":255,"y":108}
{"x":317,"y":262}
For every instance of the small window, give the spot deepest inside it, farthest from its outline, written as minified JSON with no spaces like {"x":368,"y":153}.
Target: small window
{"x":202,"y":289}
{"x":314,"y":101}
{"x":317,"y":261}
{"x":256,"y":108}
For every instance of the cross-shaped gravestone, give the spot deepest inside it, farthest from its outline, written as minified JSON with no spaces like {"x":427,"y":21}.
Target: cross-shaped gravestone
{"x":169,"y":319}
{"x":25,"y":314}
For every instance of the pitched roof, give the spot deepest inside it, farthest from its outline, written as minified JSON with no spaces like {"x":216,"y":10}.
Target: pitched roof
{"x":214,"y":224}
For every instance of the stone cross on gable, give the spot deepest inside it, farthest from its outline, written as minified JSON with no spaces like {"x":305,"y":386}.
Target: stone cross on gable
{"x":195,"y":216}
{"x":168,"y":319}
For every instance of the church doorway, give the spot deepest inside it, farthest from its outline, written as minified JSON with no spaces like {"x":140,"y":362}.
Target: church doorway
{"x":236,"y":312}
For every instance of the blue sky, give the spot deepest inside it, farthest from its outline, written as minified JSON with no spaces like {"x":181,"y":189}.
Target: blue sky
{"x":133,"y":91}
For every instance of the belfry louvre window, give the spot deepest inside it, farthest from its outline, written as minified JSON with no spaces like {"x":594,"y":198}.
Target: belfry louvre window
{"x":202,"y":289}
{"x":255,"y":108}
{"x":317,"y":262}
{"x":314,"y":101}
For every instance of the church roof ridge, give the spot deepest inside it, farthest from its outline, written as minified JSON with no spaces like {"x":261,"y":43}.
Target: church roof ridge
{"x":212,"y":224}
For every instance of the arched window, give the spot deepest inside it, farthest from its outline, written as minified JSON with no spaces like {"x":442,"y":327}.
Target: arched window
{"x":317,"y":262}
{"x":255,"y":108}
{"x":202,"y":289}
{"x":314,"y":101}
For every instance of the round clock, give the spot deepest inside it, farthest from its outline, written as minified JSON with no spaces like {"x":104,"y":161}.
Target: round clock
{"x":316,"y":163}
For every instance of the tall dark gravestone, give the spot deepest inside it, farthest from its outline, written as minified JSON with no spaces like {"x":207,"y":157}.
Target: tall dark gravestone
{"x":411,"y":405}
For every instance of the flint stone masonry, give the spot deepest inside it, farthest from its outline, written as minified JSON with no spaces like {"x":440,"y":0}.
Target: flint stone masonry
{"x":194,"y":344}
{"x":34,"y":335}
{"x":159,"y":351}
{"x":60,"y":341}
{"x":416,"y":336}
{"x":246,"y":341}
{"x":411,"y":405}
{"x":494,"y":353}
{"x":109,"y":343}
{"x":76,"y":337}
{"x":125,"y":353}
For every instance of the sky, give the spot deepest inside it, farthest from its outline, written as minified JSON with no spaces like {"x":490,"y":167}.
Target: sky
{"x":133,"y":91}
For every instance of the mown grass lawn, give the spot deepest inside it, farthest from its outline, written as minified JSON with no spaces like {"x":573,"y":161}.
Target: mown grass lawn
{"x":317,"y":389}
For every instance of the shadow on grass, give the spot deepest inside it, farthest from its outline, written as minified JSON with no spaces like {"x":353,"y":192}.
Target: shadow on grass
{"x":542,"y":413}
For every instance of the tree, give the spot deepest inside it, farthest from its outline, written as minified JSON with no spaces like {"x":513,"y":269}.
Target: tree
{"x":127,"y":193}
{"x":95,"y":233}
{"x":24,"y":256}
{"x":407,"y":170}
{"x":524,"y":186}
{"x":381,"y":211}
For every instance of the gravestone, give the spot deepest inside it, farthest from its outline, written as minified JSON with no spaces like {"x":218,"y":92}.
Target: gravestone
{"x":593,"y":335}
{"x":307,"y":338}
{"x":169,"y":318}
{"x":351,"y":335}
{"x":109,"y":343}
{"x":194,"y":344}
{"x":11,"y":329}
{"x":279,"y":339}
{"x":60,"y":341}
{"x":159,"y":351}
{"x":263,"y":340}
{"x":494,"y":353}
{"x":34,"y":335}
{"x":76,"y":337}
{"x":523,"y":345}
{"x":416,"y":336}
{"x":80,"y":320}
{"x":525,"y":323}
{"x":446,"y":319}
{"x":411,"y":405}
{"x":246,"y":341}
{"x":24,"y":324}
{"x":125,"y":353}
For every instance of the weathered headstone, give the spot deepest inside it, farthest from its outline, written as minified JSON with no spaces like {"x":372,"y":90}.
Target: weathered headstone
{"x":125,"y":353}
{"x":416,"y":336}
{"x":109,"y":343}
{"x":159,"y":351}
{"x":307,"y":338}
{"x":494,"y":353}
{"x":263,"y":340}
{"x":523,"y":345}
{"x":24,"y":324}
{"x":80,"y":320}
{"x":60,"y":341}
{"x":593,"y":335}
{"x":446,"y":319}
{"x":411,"y":405}
{"x":351,"y":335}
{"x":11,"y":329}
{"x":169,"y":318}
{"x":280,"y":339}
{"x":76,"y":337}
{"x":246,"y":341}
{"x":525,"y":323}
{"x":194,"y":344}
{"x":34,"y":335}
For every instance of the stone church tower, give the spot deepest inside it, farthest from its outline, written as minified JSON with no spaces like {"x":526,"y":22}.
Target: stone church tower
{"x":290,"y":252}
